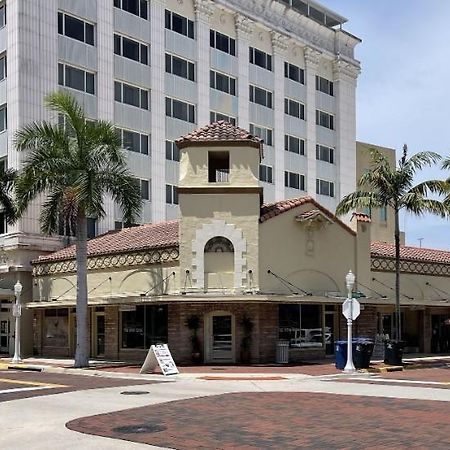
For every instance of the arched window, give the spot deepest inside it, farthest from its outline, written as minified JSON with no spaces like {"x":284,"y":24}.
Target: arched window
{"x":219,"y":244}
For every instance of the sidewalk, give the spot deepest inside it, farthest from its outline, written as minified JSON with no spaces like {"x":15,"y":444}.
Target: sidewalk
{"x":308,"y":368}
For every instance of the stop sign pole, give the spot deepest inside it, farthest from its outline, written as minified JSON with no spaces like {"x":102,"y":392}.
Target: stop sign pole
{"x":350,"y":310}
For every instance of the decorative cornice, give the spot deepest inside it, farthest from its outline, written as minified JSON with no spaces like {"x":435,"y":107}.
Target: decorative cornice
{"x":156,"y":256}
{"x":280,"y":42}
{"x":379,"y":264}
{"x":312,"y":56}
{"x":244,"y":25}
{"x":341,"y":67}
{"x":204,"y":9}
{"x":286,"y":20}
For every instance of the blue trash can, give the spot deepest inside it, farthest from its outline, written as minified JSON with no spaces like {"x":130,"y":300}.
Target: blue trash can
{"x":361,"y":349}
{"x":340,"y":351}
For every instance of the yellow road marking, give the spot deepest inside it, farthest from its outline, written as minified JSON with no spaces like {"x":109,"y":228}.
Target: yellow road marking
{"x":31,"y":383}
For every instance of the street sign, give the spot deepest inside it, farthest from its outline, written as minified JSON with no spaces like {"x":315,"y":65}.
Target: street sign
{"x":17,"y":310}
{"x":351,"y":311}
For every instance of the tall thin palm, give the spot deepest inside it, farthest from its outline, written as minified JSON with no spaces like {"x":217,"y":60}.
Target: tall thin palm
{"x":75,"y":166}
{"x":393,"y":187}
{"x":7,"y":180}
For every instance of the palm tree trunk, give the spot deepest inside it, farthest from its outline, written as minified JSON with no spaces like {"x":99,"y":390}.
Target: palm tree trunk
{"x":398,"y":332}
{"x":82,"y":350}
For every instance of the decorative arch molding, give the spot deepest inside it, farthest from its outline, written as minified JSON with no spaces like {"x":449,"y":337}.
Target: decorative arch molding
{"x":203,"y":235}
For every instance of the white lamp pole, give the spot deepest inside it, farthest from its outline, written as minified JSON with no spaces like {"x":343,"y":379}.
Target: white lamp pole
{"x":349,"y":281}
{"x":17,"y":312}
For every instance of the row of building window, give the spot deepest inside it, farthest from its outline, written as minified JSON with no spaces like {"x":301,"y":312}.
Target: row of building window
{"x":137,"y":7}
{"x":134,"y":141}
{"x":131,"y":49}
{"x":75,"y":28}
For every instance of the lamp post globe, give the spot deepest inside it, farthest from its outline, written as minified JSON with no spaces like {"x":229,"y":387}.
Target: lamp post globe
{"x":17,"y":312}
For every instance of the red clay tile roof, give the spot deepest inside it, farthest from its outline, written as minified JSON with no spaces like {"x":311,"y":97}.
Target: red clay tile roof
{"x":274,"y":209}
{"x":387,"y":250}
{"x":143,"y":237}
{"x":361,"y":217}
{"x":219,"y":133}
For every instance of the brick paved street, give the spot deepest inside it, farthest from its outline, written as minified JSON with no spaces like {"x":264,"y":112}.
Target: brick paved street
{"x":279,"y":420}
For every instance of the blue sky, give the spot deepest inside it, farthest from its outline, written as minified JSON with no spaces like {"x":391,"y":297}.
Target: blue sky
{"x":403,"y":93}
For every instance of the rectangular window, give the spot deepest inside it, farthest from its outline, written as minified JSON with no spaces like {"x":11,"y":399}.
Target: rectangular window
{"x":130,"y":49}
{"x":136,"y":7}
{"x":172,"y":151}
{"x":294,"y":108}
{"x":2,"y":15}
{"x":222,"y":42}
{"x":294,"y":73}
{"x":144,"y":186}
{"x":171,"y":194}
{"x":294,"y":144}
{"x":75,"y":78}
{"x":266,"y":134}
{"x":179,"y":24}
{"x":3,"y":118}
{"x":324,"y":153}
{"x":3,"y":223}
{"x":301,"y":325}
{"x":134,"y":141}
{"x":265,"y":173}
{"x":259,"y":58}
{"x":222,"y":82}
{"x":131,"y":95}
{"x":180,"y":110}
{"x":180,"y":67}
{"x":383,"y":214}
{"x":91,"y":227}
{"x":324,"y":188}
{"x":324,"y":119}
{"x":324,"y":85}
{"x":261,"y":96}
{"x":218,"y":167}
{"x":216,"y":116}
{"x":294,"y":180}
{"x":144,"y":325}
{"x":75,"y":28}
{"x":2,"y":67}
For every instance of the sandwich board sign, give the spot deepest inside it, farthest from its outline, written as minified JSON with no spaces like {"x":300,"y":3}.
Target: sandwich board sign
{"x":159,"y":355}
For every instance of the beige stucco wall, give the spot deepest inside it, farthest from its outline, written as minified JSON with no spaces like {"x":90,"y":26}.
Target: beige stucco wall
{"x":315,"y":261}
{"x":110,"y":283}
{"x":380,"y":230}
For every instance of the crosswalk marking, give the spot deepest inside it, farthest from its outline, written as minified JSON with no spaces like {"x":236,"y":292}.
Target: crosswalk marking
{"x":31,"y":383}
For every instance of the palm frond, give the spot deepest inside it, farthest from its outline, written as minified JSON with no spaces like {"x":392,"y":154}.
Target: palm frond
{"x":358,"y":200}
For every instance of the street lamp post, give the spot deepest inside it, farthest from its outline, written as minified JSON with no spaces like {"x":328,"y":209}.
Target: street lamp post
{"x":350,"y":281}
{"x":17,"y":312}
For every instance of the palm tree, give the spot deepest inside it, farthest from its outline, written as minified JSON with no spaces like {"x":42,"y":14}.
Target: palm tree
{"x":74,"y":167}
{"x":393,"y":187}
{"x":7,"y":180}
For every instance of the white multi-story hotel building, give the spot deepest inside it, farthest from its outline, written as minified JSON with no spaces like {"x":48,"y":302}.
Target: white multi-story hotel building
{"x":158,"y":69}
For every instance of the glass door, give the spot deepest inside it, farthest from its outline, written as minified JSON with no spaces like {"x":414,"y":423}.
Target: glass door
{"x":4,"y":333}
{"x":222,"y":338}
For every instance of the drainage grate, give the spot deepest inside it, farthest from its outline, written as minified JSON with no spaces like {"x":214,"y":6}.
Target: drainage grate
{"x":135,"y":392}
{"x":143,"y":428}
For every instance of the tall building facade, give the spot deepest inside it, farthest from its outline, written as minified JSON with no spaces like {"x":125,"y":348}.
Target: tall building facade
{"x":285,"y":70}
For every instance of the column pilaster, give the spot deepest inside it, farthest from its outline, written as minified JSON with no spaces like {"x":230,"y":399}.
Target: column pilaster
{"x":158,"y":113}
{"x":311,"y":62}
{"x":203,"y":11}
{"x":279,"y":46}
{"x":244,"y":28}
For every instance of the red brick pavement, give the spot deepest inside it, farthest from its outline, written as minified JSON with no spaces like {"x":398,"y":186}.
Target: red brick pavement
{"x":288,"y":421}
{"x":440,"y":374}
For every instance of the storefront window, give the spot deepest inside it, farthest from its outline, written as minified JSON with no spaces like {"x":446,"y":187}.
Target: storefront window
{"x":56,"y":328}
{"x":145,"y":326}
{"x":302,"y":325}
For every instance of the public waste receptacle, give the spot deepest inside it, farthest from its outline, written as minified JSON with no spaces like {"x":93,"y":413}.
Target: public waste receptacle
{"x":282,"y":356}
{"x":340,"y":351}
{"x":393,"y":352}
{"x":363,"y":352}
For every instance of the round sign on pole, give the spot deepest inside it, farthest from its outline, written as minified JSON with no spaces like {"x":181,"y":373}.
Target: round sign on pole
{"x":351,"y":311}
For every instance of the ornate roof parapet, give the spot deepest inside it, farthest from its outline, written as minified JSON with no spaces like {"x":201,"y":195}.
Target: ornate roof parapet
{"x":312,"y":57}
{"x":380,"y":264}
{"x":204,"y":9}
{"x":344,"y":68}
{"x":280,"y":42}
{"x":244,"y":26}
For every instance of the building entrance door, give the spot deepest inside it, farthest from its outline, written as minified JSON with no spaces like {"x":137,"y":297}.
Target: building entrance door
{"x":99,"y":336}
{"x":221,"y":342}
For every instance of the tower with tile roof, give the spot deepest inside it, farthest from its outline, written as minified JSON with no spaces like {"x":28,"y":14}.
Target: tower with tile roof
{"x":219,"y":198}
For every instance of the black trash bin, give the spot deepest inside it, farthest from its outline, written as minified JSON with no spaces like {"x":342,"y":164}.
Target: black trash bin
{"x":362,"y":353}
{"x":393,"y":352}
